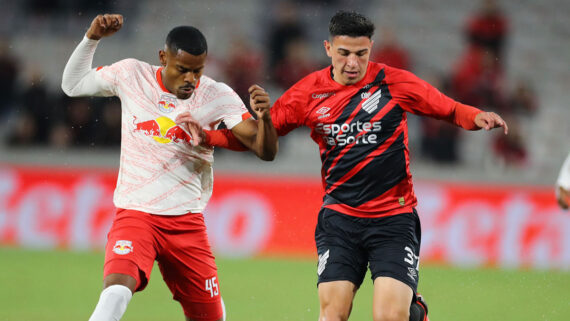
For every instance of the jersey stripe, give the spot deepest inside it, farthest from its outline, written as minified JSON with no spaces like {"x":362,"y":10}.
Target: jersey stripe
{"x":360,"y":153}
{"x":349,"y":113}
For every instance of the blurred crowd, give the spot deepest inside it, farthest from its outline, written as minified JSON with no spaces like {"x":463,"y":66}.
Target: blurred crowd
{"x":478,"y":78}
{"x":38,"y":116}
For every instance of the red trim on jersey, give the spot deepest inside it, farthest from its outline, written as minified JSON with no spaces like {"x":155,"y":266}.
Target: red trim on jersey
{"x":464,"y":116}
{"x":224,"y":138}
{"x":345,"y":209}
{"x":99,"y":68}
{"x":159,"y":80}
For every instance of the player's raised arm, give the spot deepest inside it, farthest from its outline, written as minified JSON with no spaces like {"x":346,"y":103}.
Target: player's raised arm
{"x":78,"y":76}
{"x":258,"y":135}
{"x":104,"y":26}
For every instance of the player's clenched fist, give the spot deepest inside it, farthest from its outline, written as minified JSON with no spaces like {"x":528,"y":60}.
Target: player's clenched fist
{"x":259,"y":102}
{"x":104,"y":25}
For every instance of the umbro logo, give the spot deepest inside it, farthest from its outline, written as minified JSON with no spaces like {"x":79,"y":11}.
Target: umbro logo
{"x":323,"y":111}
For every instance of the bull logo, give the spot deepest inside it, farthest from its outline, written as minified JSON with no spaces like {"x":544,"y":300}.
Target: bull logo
{"x":123,"y":247}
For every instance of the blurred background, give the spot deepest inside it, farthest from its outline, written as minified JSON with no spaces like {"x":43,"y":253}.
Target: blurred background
{"x":486,"y":200}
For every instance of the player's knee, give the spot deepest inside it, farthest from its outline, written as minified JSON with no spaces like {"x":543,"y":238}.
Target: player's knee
{"x":202,"y":311}
{"x":333,"y":317}
{"x":331,"y":313}
{"x":392,"y":314}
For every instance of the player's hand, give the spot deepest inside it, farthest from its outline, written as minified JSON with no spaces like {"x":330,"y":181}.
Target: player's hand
{"x":563,"y":198}
{"x":490,"y":120}
{"x":260,"y":102}
{"x":191,"y":125}
{"x":104,"y":26}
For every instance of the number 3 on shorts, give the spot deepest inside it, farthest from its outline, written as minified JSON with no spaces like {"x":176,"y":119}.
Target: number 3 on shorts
{"x":212,"y":286}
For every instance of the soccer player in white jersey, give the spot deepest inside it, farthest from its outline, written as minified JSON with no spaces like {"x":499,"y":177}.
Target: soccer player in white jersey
{"x":563,"y":184}
{"x":165,"y":175}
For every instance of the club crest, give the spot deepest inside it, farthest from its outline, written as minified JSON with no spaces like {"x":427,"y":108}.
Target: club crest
{"x":166,"y":104}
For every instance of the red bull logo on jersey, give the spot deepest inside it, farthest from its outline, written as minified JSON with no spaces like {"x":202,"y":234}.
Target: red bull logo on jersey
{"x":166,"y":104}
{"x":123,"y":247}
{"x":163,"y":130}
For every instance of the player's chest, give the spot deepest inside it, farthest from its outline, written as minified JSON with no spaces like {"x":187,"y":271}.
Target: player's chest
{"x":344,"y":105}
{"x":153,"y":103}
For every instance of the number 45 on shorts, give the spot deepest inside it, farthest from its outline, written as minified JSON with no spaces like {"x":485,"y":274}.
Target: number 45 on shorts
{"x":212,"y":286}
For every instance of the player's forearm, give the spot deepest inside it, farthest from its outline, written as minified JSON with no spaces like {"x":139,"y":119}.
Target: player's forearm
{"x":464,"y":116}
{"x":266,"y":143}
{"x":75,"y":80}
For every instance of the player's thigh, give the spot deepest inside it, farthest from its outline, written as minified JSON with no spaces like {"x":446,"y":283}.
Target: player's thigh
{"x":341,"y":258}
{"x":393,"y":246}
{"x":189,"y":270}
{"x":335,"y":299}
{"x":392,"y":299}
{"x":130,"y":249}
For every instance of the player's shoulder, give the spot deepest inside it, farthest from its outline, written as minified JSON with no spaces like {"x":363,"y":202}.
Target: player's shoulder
{"x":133,"y":62}
{"x":393,"y":73}
{"x":210,"y":90}
{"x":132,"y":65}
{"x":211,"y":84}
{"x":313,"y":82}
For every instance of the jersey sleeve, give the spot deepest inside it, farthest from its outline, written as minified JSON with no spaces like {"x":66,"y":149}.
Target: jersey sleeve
{"x":232,"y":109}
{"x":564,"y":175}
{"x":419,"y":97}
{"x":81,"y":79}
{"x":286,"y":112}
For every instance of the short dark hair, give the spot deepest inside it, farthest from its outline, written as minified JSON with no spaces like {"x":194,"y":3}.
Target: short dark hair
{"x":187,"y":38}
{"x":352,"y":24}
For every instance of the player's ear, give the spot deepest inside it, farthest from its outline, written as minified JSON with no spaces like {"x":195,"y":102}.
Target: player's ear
{"x":162,"y":57}
{"x":327,"y":45}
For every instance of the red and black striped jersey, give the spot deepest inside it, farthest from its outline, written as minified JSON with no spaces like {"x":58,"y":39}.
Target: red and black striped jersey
{"x":362,"y":133}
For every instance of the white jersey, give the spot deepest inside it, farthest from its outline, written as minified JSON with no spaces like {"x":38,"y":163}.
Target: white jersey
{"x":160,"y":171}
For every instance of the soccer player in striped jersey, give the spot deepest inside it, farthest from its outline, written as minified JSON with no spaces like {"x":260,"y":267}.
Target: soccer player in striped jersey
{"x":165,"y":175}
{"x":356,"y":110}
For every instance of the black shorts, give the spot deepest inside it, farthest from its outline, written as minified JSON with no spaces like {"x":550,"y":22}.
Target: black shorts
{"x":347,"y":245}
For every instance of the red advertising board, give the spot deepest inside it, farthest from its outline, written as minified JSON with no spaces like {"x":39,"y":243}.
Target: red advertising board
{"x":463,"y":224}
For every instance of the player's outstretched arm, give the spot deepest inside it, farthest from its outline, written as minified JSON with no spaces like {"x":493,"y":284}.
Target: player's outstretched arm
{"x":490,"y":120}
{"x":78,"y":76}
{"x":258,"y":135}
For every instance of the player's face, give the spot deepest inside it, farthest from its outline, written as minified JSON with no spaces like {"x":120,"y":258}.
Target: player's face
{"x":349,"y":57}
{"x":181,"y":71}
